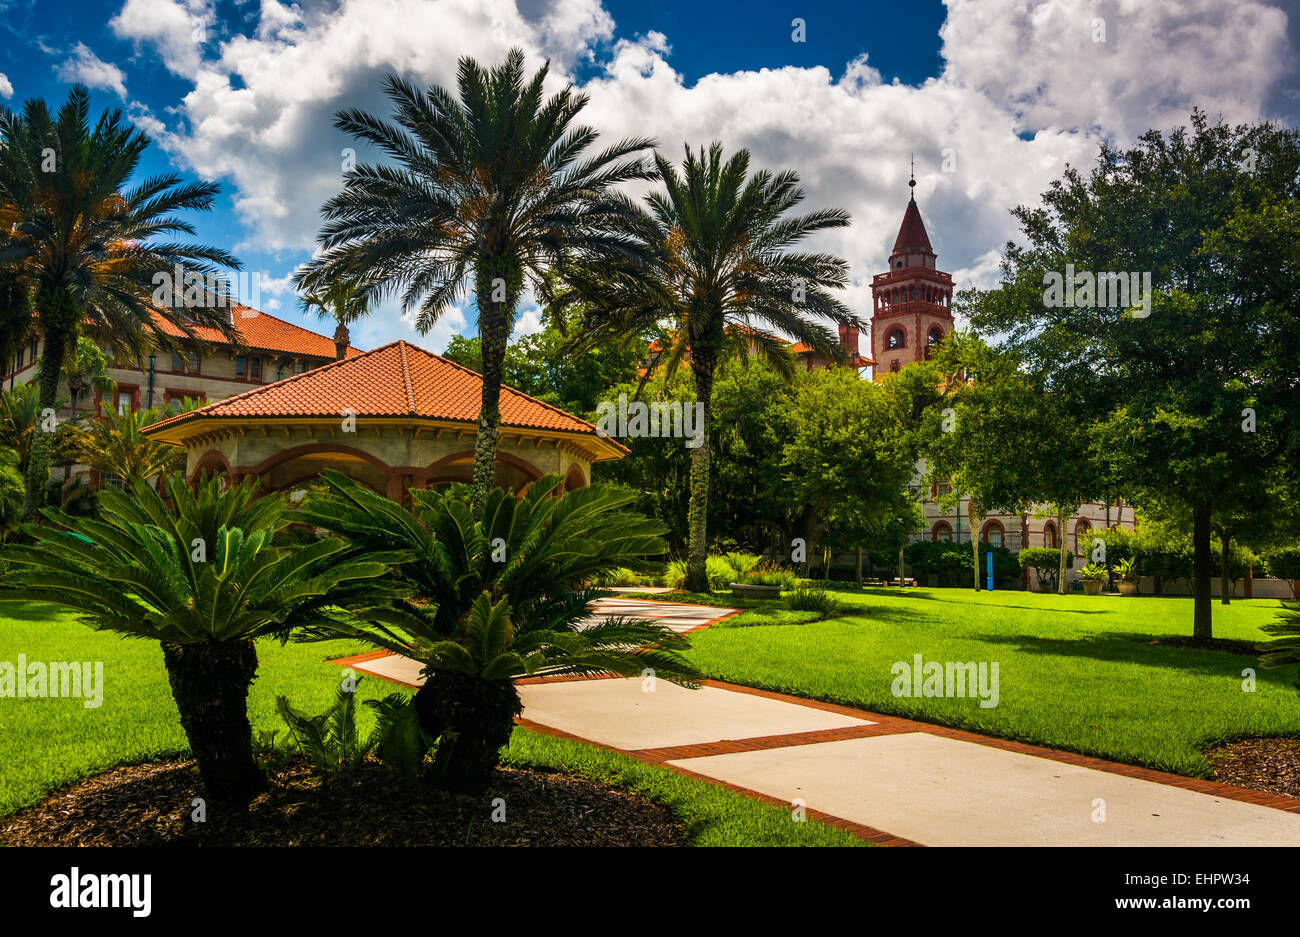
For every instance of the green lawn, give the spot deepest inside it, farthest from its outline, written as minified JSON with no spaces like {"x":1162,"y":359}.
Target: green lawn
{"x":47,"y":743}
{"x":1074,"y":671}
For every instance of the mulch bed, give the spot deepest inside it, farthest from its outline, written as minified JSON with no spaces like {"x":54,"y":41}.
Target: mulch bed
{"x":1271,"y":765}
{"x":150,"y":805}
{"x":1209,"y":644}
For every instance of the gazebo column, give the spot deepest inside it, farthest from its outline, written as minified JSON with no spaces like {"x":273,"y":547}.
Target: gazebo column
{"x":398,"y":484}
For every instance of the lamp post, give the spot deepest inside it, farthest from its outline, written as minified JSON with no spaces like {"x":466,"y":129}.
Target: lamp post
{"x":153,"y":360}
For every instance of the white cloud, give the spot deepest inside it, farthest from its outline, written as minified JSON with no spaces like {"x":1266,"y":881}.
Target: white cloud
{"x":1023,"y":91}
{"x":89,"y":69}
{"x":6,"y":88}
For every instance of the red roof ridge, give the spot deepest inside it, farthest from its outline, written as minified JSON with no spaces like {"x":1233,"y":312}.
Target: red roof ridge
{"x":407,"y":386}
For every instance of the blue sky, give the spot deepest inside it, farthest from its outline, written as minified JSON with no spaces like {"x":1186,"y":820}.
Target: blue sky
{"x":992,"y":99}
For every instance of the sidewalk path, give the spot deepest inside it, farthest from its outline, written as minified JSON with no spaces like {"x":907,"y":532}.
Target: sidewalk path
{"x":889,"y":780}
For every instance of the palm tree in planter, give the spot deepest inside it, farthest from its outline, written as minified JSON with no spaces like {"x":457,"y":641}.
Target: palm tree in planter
{"x":86,"y":249}
{"x":721,"y":266}
{"x":489,"y":189}
{"x":496,"y":596}
{"x":199,"y":572}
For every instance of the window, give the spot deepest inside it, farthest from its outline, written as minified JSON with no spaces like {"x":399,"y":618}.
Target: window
{"x":22,"y":356}
{"x":1082,"y":530}
{"x":123,"y":402}
{"x":255,"y":368}
{"x":1049,"y":535}
{"x":297,"y":366}
{"x":241,"y":366}
{"x":936,"y":336}
{"x":893,"y":366}
{"x":941,"y":533}
{"x":896,"y":339}
{"x":992,"y":534}
{"x":187,"y":362}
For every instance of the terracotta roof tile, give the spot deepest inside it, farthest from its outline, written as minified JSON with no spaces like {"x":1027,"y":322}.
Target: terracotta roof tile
{"x":264,"y":332}
{"x":397,"y":379}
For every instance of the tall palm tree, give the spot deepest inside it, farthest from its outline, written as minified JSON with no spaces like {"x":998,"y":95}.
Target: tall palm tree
{"x":501,"y":597}
{"x":201,"y":573}
{"x":487,"y":190}
{"x":722,"y":271}
{"x":87,"y":249}
{"x":344,"y":301}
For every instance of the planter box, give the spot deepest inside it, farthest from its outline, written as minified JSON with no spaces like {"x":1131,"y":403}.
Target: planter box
{"x":1093,"y":586}
{"x":744,"y":591}
{"x":1127,"y":588}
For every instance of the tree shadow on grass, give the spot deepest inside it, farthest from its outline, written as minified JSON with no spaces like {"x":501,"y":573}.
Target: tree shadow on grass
{"x":29,"y":611}
{"x":1132,"y":647}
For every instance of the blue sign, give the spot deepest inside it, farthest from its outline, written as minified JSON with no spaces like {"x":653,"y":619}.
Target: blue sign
{"x":989,"y":557}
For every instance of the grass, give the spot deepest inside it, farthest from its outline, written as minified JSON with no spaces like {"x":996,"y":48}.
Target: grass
{"x":1075,"y":672}
{"x":48,"y":743}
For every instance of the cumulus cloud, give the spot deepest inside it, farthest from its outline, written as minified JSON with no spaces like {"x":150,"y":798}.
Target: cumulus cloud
{"x":1024,"y":90}
{"x":92,"y":71}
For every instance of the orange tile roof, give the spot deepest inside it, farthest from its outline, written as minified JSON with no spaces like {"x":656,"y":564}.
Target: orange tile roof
{"x":263,"y":332}
{"x":395,"y":380}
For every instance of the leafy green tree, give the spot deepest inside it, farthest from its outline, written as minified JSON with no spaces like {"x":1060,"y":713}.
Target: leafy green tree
{"x":501,"y":594}
{"x":199,"y":572}
{"x":1191,"y":384}
{"x":87,"y":248}
{"x":86,"y":370}
{"x":490,"y":188}
{"x":720,"y":243}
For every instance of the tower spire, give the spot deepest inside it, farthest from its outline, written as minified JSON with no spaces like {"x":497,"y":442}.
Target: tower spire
{"x":911,"y":182}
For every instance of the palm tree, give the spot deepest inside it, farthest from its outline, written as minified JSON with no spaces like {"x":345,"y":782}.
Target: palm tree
{"x":722,"y":272}
{"x":20,"y":424}
{"x":87,"y":249}
{"x":344,"y":301}
{"x":86,"y":369}
{"x":498,"y":596}
{"x":200,"y":573}
{"x":115,"y":446}
{"x":487,"y":191}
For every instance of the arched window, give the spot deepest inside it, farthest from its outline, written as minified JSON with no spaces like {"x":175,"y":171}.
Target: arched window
{"x":992,"y":534}
{"x":896,"y":339}
{"x":936,"y":336}
{"x":1082,"y":531}
{"x":941,"y":532}
{"x":1049,"y":535}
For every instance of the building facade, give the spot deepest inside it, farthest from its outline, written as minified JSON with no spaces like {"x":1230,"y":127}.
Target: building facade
{"x":911,"y":314}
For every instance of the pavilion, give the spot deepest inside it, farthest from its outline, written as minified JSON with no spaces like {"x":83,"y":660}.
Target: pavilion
{"x":394,"y":418}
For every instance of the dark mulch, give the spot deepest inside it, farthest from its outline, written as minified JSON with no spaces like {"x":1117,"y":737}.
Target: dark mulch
{"x":1271,"y":765}
{"x":150,"y":805}
{"x":1209,"y":644}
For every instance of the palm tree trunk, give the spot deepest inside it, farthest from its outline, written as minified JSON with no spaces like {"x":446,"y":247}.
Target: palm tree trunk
{"x":38,"y":464}
{"x":1202,"y":623}
{"x":494,"y":333}
{"x":857,"y":557}
{"x":209,"y":682}
{"x":975,"y":540}
{"x":472,"y":719}
{"x":697,"y":556}
{"x":342,"y":339}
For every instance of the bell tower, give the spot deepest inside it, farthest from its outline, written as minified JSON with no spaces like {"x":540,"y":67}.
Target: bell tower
{"x":912,"y":303}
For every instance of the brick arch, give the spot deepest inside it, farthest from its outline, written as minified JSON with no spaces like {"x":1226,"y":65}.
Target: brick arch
{"x":574,"y":478}
{"x":272,"y":461}
{"x":430,"y":472}
{"x":211,"y":458}
{"x":309,"y":476}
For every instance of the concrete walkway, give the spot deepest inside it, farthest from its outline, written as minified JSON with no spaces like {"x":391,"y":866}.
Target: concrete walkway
{"x":886,"y":779}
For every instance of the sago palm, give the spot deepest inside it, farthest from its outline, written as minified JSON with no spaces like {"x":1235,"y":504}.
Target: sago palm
{"x":115,"y":446}
{"x":487,"y":190}
{"x":87,"y":249}
{"x":199,"y":572}
{"x":497,"y":597}
{"x":723,"y":271}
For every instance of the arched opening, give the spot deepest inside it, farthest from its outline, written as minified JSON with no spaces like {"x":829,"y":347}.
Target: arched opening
{"x":992,"y":534}
{"x":896,"y":339}
{"x":296,"y":466}
{"x":1050,"y":536}
{"x":1082,"y":530}
{"x":574,"y":478}
{"x":512,"y":473}
{"x":941,"y":532}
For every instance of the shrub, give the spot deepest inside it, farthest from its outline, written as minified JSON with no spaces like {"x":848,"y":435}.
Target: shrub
{"x":1284,"y":563}
{"x":330,"y":740}
{"x":1046,"y":562}
{"x":1127,"y":570}
{"x":1094,"y":573}
{"x":399,"y":741}
{"x":719,"y":571}
{"x":784,"y":578}
{"x":951,"y":562}
{"x":813,"y":597}
{"x":742,"y":564}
